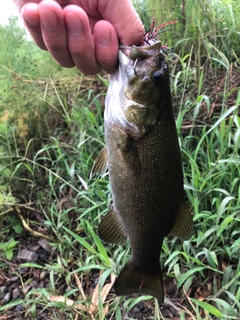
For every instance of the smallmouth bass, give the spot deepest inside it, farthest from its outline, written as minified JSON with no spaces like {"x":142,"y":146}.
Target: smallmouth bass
{"x":145,"y":169}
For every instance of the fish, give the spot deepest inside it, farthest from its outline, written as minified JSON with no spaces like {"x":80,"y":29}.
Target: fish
{"x":143,"y":158}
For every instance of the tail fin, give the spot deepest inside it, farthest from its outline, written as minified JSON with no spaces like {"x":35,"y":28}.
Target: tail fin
{"x":131,"y":281}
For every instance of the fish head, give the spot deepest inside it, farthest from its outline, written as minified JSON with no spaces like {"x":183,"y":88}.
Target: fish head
{"x":138,"y":91}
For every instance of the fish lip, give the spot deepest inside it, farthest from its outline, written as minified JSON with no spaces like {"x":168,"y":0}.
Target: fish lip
{"x":125,"y":57}
{"x":135,"y":53}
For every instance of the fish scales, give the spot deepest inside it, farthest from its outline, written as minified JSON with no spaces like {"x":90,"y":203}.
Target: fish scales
{"x":145,"y":169}
{"x":156,"y":190}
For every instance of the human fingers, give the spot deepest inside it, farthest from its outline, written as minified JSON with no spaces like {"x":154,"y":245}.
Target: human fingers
{"x":106,"y":46}
{"x":122,"y":15}
{"x":54,"y":32}
{"x":21,"y":3}
{"x":31,"y":19}
{"x":80,"y":40}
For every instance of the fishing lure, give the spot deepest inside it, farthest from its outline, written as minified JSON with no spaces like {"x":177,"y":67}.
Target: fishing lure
{"x":149,"y":40}
{"x":151,"y":34}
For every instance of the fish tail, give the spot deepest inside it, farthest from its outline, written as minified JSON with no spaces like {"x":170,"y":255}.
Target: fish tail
{"x":131,"y":280}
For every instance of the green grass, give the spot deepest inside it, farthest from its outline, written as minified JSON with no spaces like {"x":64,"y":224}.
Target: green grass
{"x":47,"y":172}
{"x":212,"y":174}
{"x":202,"y":25}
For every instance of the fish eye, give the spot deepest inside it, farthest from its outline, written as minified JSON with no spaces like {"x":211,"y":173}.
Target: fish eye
{"x":157,"y":76}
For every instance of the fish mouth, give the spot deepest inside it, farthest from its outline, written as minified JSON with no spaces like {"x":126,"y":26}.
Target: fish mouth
{"x":130,"y":55}
{"x":138,"y":52}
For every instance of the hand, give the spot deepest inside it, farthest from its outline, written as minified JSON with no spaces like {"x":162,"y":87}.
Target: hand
{"x":82,"y":33}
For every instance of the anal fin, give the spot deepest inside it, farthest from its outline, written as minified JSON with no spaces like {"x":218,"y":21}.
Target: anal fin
{"x":111,"y":230}
{"x":100,"y":164}
{"x":183,"y":226}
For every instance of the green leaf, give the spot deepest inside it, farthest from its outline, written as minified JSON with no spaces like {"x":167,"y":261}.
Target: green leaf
{"x":211,"y":257}
{"x":131,"y":302}
{"x":12,"y":244}
{"x":82,"y":241}
{"x":18,"y":228}
{"x":104,"y":81}
{"x":227,"y":308}
{"x":31,"y":265}
{"x":89,"y":267}
{"x":43,"y":292}
{"x":3,"y":246}
{"x":208,"y":307}
{"x":188,"y":274}
{"x":103,"y":253}
{"x":9,"y":254}
{"x":11,"y":304}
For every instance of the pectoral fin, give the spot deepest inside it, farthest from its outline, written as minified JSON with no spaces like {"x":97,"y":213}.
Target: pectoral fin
{"x":100,"y":164}
{"x":111,"y":230}
{"x":127,"y":146}
{"x":183,"y":226}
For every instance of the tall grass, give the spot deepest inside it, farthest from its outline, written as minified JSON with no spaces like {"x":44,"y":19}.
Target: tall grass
{"x":211,"y":167}
{"x":200,"y":23}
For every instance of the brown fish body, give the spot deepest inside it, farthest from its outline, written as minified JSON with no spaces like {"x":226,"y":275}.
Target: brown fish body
{"x":145,"y":171}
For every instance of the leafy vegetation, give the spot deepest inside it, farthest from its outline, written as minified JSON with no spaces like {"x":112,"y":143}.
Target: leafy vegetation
{"x":51,"y":128}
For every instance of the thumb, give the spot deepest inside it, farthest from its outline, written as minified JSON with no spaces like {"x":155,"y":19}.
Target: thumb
{"x":123,"y":16}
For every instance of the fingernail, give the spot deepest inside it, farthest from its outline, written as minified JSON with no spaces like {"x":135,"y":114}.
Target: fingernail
{"x":103,"y":36}
{"x":33,"y":20}
{"x":49,"y":20}
{"x":74,"y":29}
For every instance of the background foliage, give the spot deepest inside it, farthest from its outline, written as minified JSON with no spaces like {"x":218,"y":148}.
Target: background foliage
{"x":51,"y":130}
